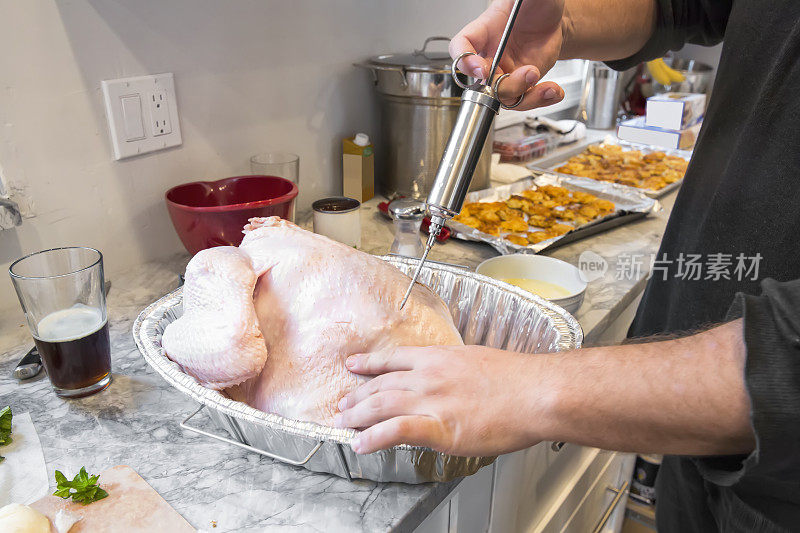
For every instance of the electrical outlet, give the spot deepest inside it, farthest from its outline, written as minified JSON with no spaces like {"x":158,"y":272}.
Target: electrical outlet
{"x":142,"y":114}
{"x":159,"y":113}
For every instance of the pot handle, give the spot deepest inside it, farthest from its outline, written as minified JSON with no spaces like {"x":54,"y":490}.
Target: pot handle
{"x":373,"y":68}
{"x":428,"y":40}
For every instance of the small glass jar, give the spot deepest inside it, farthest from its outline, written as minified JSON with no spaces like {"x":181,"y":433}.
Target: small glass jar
{"x":407,"y":215}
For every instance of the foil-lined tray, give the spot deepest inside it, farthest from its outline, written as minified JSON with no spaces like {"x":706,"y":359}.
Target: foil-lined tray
{"x":551,"y":162}
{"x":629,"y":203}
{"x":486,"y":311}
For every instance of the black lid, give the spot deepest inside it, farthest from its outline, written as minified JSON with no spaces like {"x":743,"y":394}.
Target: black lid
{"x":335,"y":204}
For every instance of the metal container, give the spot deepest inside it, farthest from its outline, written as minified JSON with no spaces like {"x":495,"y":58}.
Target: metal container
{"x":602,"y":95}
{"x":698,"y":77}
{"x":485,"y":311}
{"x":419,"y":103}
{"x":549,"y":163}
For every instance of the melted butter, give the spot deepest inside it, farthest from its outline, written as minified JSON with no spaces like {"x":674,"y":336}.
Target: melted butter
{"x":545,"y":289}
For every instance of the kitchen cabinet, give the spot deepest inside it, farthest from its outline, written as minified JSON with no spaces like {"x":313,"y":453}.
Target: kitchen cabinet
{"x":539,"y":490}
{"x":467,"y":509}
{"x":438,"y":521}
{"x":604,"y":501}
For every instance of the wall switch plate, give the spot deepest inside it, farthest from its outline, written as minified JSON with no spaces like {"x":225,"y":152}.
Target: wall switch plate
{"x":142,"y":114}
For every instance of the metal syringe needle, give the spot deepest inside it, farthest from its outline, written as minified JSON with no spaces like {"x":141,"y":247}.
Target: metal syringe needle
{"x":434,"y":232}
{"x":479,"y":105}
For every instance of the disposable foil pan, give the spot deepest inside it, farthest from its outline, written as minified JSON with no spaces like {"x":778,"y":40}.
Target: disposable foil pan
{"x":629,"y":203}
{"x":551,"y":162}
{"x":486,"y":312}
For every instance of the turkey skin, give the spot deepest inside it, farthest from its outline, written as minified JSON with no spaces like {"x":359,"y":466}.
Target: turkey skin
{"x":272,"y":321}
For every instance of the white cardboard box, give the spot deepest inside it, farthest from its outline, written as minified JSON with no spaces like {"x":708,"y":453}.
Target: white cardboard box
{"x":675,"y":111}
{"x":636,"y":131}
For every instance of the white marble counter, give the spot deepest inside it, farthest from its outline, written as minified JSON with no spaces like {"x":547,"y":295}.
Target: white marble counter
{"x":135,"y":421}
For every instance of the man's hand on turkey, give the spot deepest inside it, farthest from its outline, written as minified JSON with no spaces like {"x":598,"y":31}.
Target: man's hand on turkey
{"x":533,"y":48}
{"x":461,"y":400}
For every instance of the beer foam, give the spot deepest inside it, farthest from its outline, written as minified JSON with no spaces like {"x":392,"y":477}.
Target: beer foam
{"x":70,"y":324}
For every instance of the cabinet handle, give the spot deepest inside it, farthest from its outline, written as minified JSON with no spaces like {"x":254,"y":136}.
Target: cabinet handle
{"x":618,"y":494}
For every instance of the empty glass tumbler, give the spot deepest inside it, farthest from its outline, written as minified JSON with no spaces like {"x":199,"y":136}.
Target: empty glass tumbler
{"x":281,"y":164}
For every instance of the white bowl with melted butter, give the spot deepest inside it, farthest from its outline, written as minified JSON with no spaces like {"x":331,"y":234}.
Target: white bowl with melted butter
{"x":550,"y":278}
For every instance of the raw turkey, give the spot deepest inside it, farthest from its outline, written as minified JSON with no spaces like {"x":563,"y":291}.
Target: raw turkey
{"x":272,"y":321}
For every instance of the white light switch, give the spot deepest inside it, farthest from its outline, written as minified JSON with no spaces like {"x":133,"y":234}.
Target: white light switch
{"x":142,"y":114}
{"x":132,"y":117}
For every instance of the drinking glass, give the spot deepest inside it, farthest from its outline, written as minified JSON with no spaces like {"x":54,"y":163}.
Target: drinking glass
{"x":62,"y":294}
{"x":281,"y":164}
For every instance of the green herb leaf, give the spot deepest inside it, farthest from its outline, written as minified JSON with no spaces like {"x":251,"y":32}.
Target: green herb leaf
{"x":82,"y":489}
{"x":5,"y":425}
{"x":60,"y":478}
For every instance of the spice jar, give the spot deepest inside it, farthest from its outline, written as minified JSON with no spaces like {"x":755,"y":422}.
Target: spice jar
{"x":407,"y":215}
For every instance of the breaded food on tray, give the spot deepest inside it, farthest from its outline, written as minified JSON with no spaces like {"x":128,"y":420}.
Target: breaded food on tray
{"x":535,"y":215}
{"x":610,"y":162}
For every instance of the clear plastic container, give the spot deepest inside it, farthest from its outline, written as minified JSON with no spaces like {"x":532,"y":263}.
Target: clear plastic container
{"x":518,"y":144}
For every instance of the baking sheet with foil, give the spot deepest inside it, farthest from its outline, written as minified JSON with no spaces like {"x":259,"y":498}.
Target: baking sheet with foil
{"x":629,"y":204}
{"x":486,"y":311}
{"x":551,"y":162}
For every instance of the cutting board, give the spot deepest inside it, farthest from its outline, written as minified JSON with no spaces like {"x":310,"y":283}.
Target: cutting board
{"x":132,"y":506}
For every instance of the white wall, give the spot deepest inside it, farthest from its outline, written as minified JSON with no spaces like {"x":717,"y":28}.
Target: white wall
{"x":250,"y":76}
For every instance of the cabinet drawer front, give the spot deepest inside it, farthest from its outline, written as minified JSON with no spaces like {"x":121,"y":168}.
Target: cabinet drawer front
{"x":530,"y":483}
{"x":606,"y":496}
{"x":573,"y":493}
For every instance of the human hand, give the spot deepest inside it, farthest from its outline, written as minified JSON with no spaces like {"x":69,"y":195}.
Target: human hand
{"x":461,"y":400}
{"x":532,"y":49}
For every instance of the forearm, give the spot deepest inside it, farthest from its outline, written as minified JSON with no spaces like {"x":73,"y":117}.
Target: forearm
{"x":684,"y":396}
{"x":608,"y":30}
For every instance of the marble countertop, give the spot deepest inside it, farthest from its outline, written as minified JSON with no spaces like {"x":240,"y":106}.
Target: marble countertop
{"x":135,"y":421}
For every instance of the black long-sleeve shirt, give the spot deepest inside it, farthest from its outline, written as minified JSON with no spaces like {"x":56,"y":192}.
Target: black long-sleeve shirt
{"x":738,"y":208}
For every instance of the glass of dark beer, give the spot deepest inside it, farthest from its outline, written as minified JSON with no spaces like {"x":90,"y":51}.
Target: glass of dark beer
{"x":61,"y":292}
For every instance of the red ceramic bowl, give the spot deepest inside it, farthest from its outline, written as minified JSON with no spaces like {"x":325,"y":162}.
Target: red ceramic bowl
{"x":213,"y":213}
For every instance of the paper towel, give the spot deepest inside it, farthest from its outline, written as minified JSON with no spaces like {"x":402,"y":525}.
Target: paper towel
{"x":23,"y":474}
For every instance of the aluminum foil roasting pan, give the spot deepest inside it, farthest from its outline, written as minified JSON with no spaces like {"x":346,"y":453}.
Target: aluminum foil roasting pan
{"x":486,"y":311}
{"x":630,"y":205}
{"x":551,"y":162}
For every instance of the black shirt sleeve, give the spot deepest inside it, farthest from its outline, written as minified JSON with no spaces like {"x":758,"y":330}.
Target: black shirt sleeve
{"x":771,"y":333}
{"x":679,"y":22}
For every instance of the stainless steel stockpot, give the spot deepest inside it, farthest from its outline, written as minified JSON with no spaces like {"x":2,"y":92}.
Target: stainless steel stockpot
{"x":419,"y":101}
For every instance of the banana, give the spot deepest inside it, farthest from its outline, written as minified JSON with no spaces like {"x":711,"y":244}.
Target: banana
{"x":657,"y":71}
{"x":674,"y":75}
{"x":663,"y":74}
